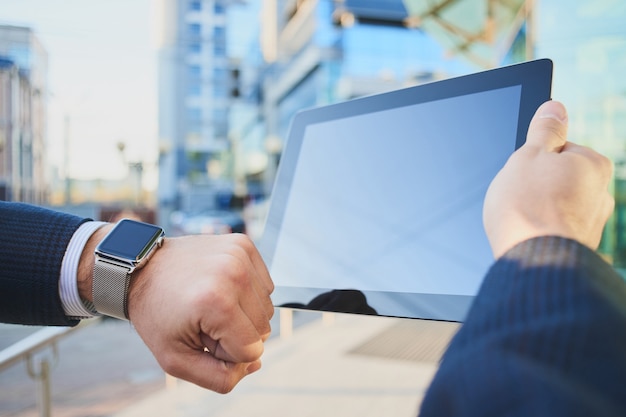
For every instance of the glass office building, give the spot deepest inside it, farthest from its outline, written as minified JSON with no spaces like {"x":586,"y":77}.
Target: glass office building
{"x":323,"y":52}
{"x":23,"y":116}
{"x":586,"y":39}
{"x":319,"y":52}
{"x":195,"y":79}
{"x":310,"y":53}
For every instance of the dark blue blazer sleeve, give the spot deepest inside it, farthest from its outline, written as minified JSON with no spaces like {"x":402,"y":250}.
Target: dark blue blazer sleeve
{"x":32,"y":247}
{"x":546,"y":336}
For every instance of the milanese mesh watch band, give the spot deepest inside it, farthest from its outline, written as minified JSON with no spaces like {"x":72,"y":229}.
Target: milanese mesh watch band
{"x":127,"y":247}
{"x":110,"y":289}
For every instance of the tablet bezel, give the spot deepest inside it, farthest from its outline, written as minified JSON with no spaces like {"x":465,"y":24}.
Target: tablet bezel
{"x":535,"y":79}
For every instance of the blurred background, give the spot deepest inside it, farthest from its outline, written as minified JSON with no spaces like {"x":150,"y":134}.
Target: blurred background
{"x":176,"y":111}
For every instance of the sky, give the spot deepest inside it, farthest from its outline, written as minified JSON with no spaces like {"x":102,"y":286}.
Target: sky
{"x":102,"y":74}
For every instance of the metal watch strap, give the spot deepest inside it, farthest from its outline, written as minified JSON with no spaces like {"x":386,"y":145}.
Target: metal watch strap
{"x":110,"y":289}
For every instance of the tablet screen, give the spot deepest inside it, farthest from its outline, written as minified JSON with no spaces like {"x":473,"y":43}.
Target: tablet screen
{"x":382,"y":209}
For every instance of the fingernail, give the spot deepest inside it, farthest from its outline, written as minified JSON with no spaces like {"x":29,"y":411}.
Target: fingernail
{"x":553,"y":110}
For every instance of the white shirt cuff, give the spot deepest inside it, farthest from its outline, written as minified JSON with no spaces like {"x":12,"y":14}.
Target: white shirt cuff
{"x":73,"y":305}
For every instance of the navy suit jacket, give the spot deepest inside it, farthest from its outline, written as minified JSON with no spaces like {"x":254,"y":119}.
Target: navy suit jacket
{"x":32,"y":247}
{"x":546,"y":336}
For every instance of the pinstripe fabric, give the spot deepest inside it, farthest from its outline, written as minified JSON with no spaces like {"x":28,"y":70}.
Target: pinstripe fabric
{"x":546,"y":336}
{"x":32,"y":247}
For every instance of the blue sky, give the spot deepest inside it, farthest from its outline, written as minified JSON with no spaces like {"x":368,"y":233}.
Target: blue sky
{"x":102,"y":73}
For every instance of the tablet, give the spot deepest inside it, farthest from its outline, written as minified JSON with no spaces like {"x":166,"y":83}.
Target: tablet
{"x":377,"y":203}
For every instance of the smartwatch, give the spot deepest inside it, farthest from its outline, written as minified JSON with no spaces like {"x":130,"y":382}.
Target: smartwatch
{"x":126,"y":248}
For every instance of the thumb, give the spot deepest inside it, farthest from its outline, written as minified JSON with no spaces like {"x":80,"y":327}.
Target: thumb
{"x":548,"y":128}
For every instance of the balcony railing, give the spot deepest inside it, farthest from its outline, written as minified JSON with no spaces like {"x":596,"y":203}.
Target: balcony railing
{"x":39,"y":367}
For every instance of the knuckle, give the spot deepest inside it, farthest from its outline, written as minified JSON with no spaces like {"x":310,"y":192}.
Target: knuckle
{"x":606,"y":164}
{"x":266,"y":335}
{"x":553,"y":128}
{"x":239,"y":276}
{"x":225,"y":387}
{"x":602,"y":164}
{"x":229,"y":375}
{"x":171,"y":365}
{"x":222,"y":304}
{"x":550,"y":133}
{"x":232,"y":267}
{"x":254,"y":352}
{"x":243,"y":241}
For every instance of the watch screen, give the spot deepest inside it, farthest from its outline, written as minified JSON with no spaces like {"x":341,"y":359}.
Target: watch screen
{"x":130,"y":239}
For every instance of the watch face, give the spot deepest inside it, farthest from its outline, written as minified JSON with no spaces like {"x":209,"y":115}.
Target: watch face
{"x":130,"y":240}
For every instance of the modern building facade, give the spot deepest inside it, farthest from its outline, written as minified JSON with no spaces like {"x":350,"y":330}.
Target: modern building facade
{"x":316,"y":52}
{"x":223,"y":107}
{"x":23,"y":92}
{"x":322,"y":51}
{"x":586,"y":39}
{"x":195,"y":93}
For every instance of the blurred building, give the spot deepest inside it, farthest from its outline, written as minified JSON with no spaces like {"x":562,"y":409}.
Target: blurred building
{"x":23,"y":90}
{"x":196,"y":79}
{"x":322,"y":51}
{"x":586,"y":40}
{"x":227,"y":95}
{"x":309,"y":53}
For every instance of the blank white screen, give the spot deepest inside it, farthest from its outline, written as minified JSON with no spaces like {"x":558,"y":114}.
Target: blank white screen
{"x":392,"y":200}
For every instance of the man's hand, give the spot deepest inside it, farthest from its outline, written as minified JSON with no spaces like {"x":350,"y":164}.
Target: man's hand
{"x":549,"y":187}
{"x":202,"y":292}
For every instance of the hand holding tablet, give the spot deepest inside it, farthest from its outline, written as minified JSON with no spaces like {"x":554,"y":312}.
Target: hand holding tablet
{"x":548,"y":168}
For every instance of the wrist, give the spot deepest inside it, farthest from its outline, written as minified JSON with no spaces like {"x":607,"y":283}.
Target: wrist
{"x":84,"y":275}
{"x":140,"y":282}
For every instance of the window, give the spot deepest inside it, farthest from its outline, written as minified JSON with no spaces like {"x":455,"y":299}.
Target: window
{"x":220,"y":75}
{"x":194,"y":29}
{"x":194,"y":48}
{"x":194,"y":119}
{"x":589,"y":48}
{"x":218,"y":8}
{"x":195,"y":71}
{"x":220,"y":114}
{"x":220,"y":122}
{"x":195,"y":5}
{"x":220,"y":90}
{"x":219,"y":34}
{"x":219,"y":50}
{"x":220,"y":130}
{"x":194,"y":90}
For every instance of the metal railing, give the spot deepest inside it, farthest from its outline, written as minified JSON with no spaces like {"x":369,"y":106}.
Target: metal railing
{"x":26,"y":350}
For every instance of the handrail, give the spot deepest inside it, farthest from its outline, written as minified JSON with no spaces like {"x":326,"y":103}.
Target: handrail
{"x":22,"y":349}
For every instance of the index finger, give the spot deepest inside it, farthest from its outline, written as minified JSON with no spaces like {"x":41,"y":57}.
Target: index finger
{"x":207,"y":371}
